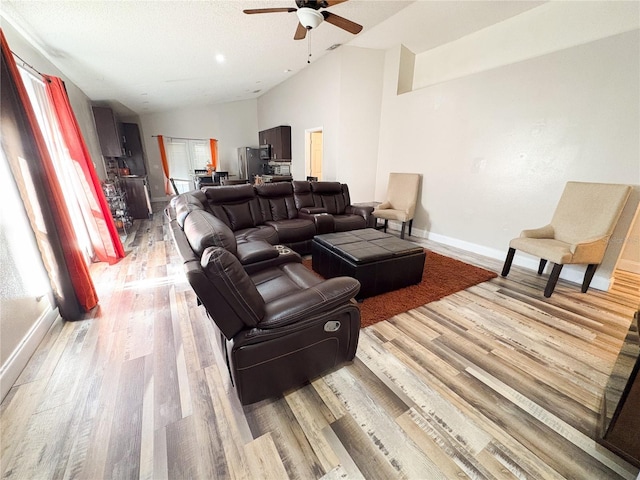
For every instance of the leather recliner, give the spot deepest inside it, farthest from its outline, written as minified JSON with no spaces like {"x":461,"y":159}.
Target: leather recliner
{"x":281,"y":325}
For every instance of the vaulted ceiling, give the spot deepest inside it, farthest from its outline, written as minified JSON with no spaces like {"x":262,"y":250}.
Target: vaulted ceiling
{"x":146,"y":56}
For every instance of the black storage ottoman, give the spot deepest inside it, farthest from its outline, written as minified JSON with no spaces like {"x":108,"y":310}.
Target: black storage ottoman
{"x":379,"y":261}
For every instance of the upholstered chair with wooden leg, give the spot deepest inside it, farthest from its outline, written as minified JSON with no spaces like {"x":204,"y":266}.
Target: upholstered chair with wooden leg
{"x":400,"y":204}
{"x":579,"y":231}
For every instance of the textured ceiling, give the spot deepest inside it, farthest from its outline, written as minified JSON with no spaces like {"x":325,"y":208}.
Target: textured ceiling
{"x":147,"y":56}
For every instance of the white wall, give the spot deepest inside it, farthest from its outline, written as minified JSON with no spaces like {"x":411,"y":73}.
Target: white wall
{"x":341,"y":93}
{"x":497,"y":122}
{"x":233,"y":124}
{"x":359,"y":124}
{"x":308,"y":100}
{"x":496,"y":147}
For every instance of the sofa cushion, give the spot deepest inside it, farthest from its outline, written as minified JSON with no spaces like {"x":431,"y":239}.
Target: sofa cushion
{"x":282,"y":281}
{"x":239,"y":216}
{"x":276,"y":201}
{"x":345,"y":223}
{"x":235,"y":205}
{"x":330,"y":196}
{"x":275,"y":209}
{"x":302,"y":194}
{"x":204,"y":230}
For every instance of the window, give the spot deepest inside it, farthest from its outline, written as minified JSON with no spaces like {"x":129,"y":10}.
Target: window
{"x":67,"y":176}
{"x":184,"y":157}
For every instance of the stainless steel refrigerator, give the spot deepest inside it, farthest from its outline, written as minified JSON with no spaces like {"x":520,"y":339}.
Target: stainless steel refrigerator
{"x":250,"y":163}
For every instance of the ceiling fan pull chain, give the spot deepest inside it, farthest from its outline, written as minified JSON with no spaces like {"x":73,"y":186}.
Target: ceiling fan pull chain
{"x":309,"y":46}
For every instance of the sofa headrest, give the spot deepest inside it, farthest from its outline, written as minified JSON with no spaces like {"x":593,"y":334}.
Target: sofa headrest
{"x":278,"y":189}
{"x":186,"y":203}
{"x":204,"y":230}
{"x":230,"y":193}
{"x":326,"y":187}
{"x":301,"y":186}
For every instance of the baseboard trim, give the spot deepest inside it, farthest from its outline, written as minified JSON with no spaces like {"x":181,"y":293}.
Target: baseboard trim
{"x":12,"y":368}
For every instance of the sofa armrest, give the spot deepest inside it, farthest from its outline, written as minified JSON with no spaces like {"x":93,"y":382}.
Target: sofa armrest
{"x":256,"y":251}
{"x":364,"y":212}
{"x":323,"y":222}
{"x":312,"y":210}
{"x":311,"y":301}
{"x":285,"y":255}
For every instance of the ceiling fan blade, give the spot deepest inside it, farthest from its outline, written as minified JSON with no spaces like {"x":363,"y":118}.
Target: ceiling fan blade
{"x":269,"y":10}
{"x":331,"y":3}
{"x":301,"y":32}
{"x":342,"y":22}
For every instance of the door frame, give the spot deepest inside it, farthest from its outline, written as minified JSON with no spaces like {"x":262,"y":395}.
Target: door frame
{"x":307,"y":148}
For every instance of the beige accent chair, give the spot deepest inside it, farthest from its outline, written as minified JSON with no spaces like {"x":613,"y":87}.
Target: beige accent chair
{"x":579,"y":231}
{"x":402,"y":196}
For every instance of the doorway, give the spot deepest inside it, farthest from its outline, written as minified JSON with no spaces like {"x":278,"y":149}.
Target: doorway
{"x":314,"y":148}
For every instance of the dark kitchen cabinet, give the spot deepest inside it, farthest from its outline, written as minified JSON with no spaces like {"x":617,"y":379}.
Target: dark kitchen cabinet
{"x":280,"y":140}
{"x":133,"y":153}
{"x":108,"y":134}
{"x":264,"y":138}
{"x":137,"y":194}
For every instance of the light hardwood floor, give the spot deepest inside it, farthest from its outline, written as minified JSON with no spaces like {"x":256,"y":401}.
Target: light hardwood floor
{"x":492,"y":382}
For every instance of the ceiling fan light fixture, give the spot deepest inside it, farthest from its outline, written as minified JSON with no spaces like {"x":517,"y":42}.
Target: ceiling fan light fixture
{"x":309,"y":18}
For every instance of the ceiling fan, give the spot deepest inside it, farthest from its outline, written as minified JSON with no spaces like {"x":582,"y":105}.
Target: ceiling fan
{"x":310,"y":17}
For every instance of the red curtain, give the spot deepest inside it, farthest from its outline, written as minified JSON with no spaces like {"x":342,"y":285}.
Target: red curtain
{"x":104,"y":234}
{"x":66,"y":261}
{"x":213,"y":143}
{"x":165,"y":165}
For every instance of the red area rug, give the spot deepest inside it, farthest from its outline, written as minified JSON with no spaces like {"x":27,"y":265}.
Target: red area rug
{"x":442,"y":276}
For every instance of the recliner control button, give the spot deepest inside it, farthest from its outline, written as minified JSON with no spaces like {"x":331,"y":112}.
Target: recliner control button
{"x":332,"y":326}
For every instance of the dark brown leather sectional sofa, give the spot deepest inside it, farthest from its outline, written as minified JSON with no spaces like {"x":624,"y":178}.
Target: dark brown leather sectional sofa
{"x":287,"y":213}
{"x":280,"y":324}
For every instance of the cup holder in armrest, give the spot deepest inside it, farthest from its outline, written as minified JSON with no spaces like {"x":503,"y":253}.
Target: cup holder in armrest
{"x":282,"y":250}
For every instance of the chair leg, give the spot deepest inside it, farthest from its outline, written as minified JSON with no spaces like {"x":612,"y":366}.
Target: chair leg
{"x":410,"y":226}
{"x":402,"y":229}
{"x":543,"y":263}
{"x":553,"y":279}
{"x":588,"y":275}
{"x":508,"y":261}
{"x":386,"y":222}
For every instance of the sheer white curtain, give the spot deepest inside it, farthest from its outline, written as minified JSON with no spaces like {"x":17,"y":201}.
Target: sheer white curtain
{"x":185,"y":156}
{"x":67,"y":176}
